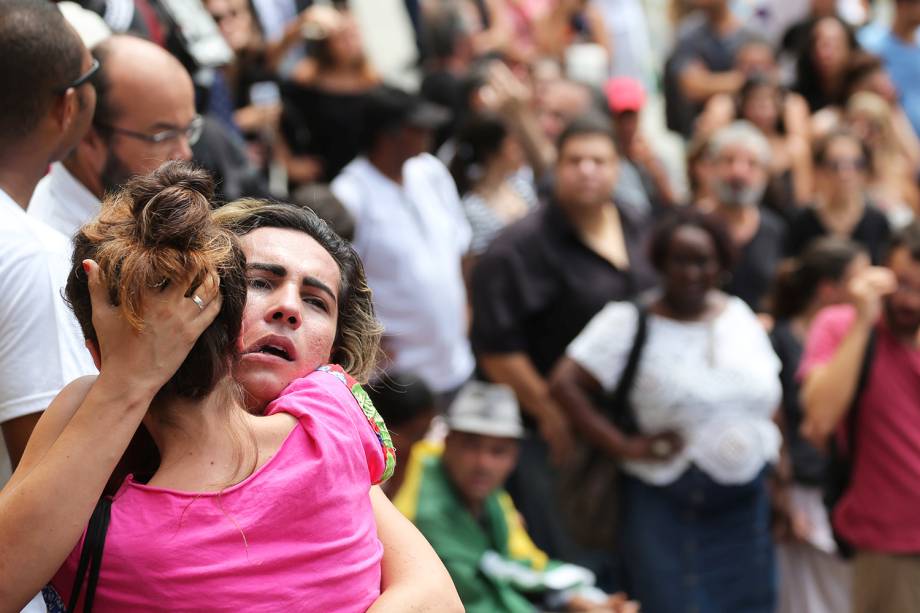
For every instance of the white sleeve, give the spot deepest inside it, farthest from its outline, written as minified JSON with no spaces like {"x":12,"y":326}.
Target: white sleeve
{"x":41,"y":349}
{"x":602,"y":348}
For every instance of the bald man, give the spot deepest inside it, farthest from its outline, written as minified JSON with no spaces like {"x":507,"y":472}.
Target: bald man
{"x":145,"y":115}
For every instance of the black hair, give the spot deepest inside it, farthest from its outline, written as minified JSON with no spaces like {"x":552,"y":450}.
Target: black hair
{"x":40,"y":54}
{"x":591,"y":123}
{"x":400,"y":398}
{"x":797,"y":279}
{"x":664,"y":231}
{"x":907,"y":238}
{"x":480,"y":138}
{"x":322,"y":201}
{"x":808,"y":80}
{"x":751,"y":85}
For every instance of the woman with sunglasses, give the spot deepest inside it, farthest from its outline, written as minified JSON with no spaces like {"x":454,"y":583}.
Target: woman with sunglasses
{"x":842,"y":207}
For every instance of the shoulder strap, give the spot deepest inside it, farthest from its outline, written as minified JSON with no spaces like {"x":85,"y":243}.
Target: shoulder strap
{"x":618,"y":400}
{"x":91,"y":556}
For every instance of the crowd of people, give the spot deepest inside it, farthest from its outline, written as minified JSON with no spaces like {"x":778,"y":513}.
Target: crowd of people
{"x":557,"y":316}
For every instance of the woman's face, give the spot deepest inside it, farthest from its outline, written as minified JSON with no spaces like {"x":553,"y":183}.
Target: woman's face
{"x":761,"y":107}
{"x":235,"y":21}
{"x":836,"y":292}
{"x":691,"y":269}
{"x":843,"y":170}
{"x":831,"y":46}
{"x":345,"y":42}
{"x":291,"y":314}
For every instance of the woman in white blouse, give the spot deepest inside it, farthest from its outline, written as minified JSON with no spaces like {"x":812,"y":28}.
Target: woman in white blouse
{"x":694,"y":516}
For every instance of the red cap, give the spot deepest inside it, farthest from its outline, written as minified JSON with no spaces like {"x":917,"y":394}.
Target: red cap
{"x":624,"y":94}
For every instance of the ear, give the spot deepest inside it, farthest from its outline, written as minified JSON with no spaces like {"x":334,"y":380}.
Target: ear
{"x":65,"y":110}
{"x":94,"y":351}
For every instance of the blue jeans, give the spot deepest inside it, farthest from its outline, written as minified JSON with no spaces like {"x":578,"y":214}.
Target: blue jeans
{"x":696,"y":546}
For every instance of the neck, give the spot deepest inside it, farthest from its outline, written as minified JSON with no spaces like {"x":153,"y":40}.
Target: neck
{"x":475,"y":507}
{"x":721,"y":18}
{"x":188,"y":429}
{"x":388,"y":165}
{"x":588,"y":220}
{"x":78,"y":167}
{"x":903,"y":30}
{"x":19,"y":175}
{"x":844,"y":202}
{"x":494,"y":177}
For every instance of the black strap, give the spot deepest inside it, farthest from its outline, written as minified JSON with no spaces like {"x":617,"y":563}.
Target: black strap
{"x":91,"y":556}
{"x":618,"y":406}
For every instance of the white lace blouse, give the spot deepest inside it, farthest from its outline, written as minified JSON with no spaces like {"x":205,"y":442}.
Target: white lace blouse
{"x":716,"y":383}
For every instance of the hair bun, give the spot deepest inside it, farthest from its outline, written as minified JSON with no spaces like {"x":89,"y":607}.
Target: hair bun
{"x":172,"y":206}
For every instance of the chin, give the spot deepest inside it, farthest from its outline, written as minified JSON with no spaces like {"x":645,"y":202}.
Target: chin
{"x":260,"y":388}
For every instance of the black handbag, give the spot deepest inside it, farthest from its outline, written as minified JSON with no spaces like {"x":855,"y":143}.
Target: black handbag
{"x":590,"y":485}
{"x":91,"y":556}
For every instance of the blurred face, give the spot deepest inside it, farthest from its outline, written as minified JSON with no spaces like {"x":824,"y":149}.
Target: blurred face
{"x":626,"y":126}
{"x":560,"y":103}
{"x":586,"y":171}
{"x":345,"y":41}
{"x":234,"y":19}
{"x":413,"y":140}
{"x":831,"y":46}
{"x":477,"y":464}
{"x":740,"y":176}
{"x":843,"y":170}
{"x":162,"y":103}
{"x":85,"y":107}
{"x":761,"y":107}
{"x":835,"y":292}
{"x":291,"y":314}
{"x":691,"y":269}
{"x":756,"y":58}
{"x":903,"y":306}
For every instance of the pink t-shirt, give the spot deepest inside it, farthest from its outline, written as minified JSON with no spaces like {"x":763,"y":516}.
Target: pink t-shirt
{"x":297,"y":535}
{"x":881,"y":509}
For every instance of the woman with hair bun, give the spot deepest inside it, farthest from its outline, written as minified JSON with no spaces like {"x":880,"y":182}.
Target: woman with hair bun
{"x":213,"y":505}
{"x":807,"y":555}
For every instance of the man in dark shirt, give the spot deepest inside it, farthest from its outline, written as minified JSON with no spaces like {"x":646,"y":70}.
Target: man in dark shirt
{"x":537,"y":286}
{"x":741,"y":157}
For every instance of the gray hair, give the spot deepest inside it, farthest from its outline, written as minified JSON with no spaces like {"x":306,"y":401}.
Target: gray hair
{"x":744,"y":134}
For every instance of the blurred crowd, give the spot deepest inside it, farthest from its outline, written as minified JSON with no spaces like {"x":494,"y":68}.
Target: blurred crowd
{"x":648,"y":272}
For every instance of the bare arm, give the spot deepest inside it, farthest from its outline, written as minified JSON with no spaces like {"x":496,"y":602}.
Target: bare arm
{"x":80,"y":438}
{"x":517,"y":371}
{"x":414,"y":579}
{"x":828,"y":390}
{"x":698,"y":83}
{"x":572,"y":387}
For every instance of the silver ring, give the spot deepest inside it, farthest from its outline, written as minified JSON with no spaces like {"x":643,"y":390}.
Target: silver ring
{"x":661,"y":448}
{"x":197,"y":300}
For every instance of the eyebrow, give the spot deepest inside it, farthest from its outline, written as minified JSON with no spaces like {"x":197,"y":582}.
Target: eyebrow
{"x":280,"y":271}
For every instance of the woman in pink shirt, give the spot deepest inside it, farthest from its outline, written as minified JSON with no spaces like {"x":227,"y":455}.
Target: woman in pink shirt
{"x":228,"y":510}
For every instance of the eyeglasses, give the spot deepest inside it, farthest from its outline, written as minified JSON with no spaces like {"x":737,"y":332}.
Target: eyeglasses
{"x":845,"y":164}
{"x":83,"y":78}
{"x":192,"y":132}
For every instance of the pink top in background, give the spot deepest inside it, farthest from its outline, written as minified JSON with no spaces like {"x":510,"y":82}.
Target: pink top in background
{"x":880,"y":511}
{"x":296,"y":535}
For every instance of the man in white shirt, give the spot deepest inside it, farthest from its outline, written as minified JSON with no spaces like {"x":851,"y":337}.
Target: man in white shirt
{"x":411,"y":234}
{"x":145,"y":115}
{"x":46,"y":104}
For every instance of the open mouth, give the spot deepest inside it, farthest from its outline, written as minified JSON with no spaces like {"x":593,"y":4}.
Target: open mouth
{"x":279,"y":347}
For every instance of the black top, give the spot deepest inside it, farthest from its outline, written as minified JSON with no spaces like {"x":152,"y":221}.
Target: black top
{"x":324,"y":124}
{"x":753,"y":274}
{"x":808,"y":463}
{"x":538,"y":285}
{"x":872,"y":232}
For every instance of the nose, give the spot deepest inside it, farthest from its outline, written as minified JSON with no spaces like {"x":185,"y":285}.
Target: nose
{"x":182,"y":149}
{"x":285,"y":307}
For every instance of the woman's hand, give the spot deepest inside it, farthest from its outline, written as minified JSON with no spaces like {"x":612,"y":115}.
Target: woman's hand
{"x":658,"y":448}
{"x":172,"y":319}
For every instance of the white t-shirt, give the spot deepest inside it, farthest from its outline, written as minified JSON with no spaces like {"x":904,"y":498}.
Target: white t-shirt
{"x":62,"y":202}
{"x":411,"y":238}
{"x":715,"y":383}
{"x":41,"y":346}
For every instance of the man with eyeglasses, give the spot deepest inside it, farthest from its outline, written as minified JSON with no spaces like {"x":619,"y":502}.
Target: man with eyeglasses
{"x":145,"y":115}
{"x":46,"y":105}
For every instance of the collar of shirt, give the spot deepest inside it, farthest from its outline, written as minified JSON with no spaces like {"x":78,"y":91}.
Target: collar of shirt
{"x":62,"y":202}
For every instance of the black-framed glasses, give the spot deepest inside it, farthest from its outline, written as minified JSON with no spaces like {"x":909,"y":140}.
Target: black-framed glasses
{"x":83,"y":78}
{"x":192,"y":132}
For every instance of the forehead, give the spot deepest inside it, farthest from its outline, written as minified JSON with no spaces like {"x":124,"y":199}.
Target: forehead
{"x":584,"y":145}
{"x":298,"y":253}
{"x":737,"y":151}
{"x":159,"y":93}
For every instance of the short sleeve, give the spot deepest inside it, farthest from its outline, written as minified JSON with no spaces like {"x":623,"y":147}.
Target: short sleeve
{"x":603,"y":347}
{"x":41,"y":349}
{"x":499,"y":297}
{"x":330,"y":395}
{"x":826,"y":333}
